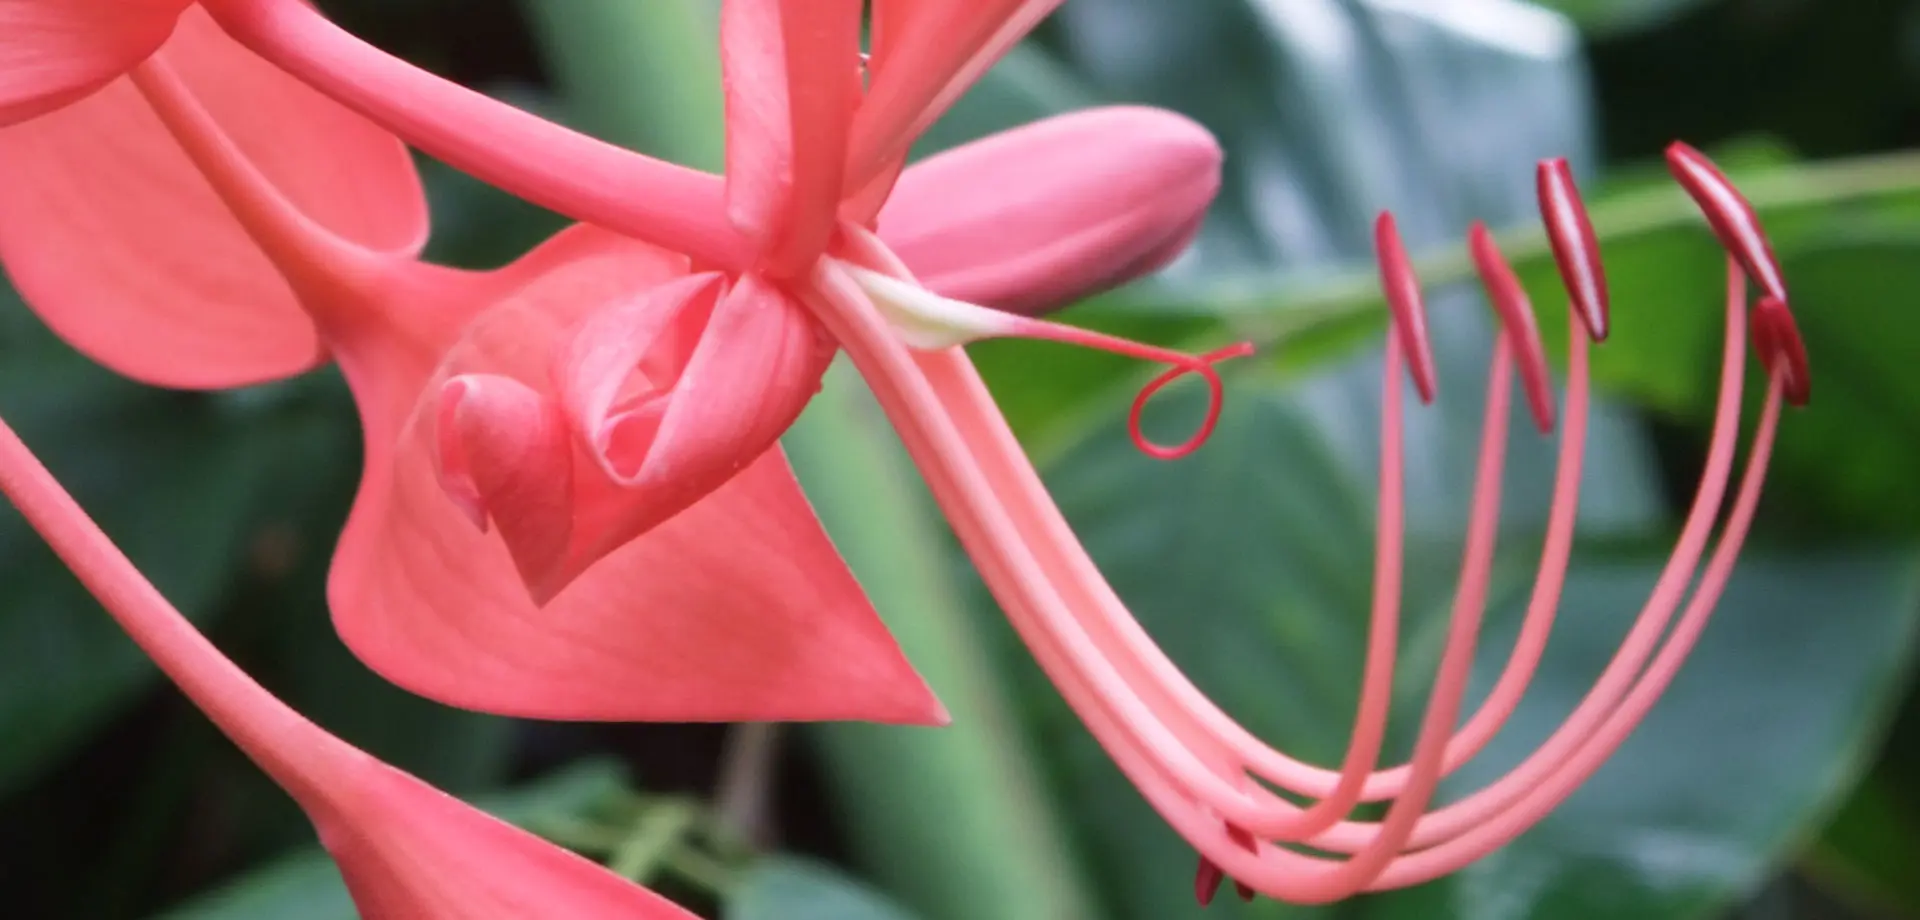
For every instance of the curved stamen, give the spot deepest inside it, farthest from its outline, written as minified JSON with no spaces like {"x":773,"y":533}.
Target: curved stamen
{"x":1776,"y":339}
{"x":1542,"y":798}
{"x":1402,"y":288}
{"x":929,"y":322}
{"x":1730,"y":214}
{"x":1516,"y":316}
{"x":1576,"y":249}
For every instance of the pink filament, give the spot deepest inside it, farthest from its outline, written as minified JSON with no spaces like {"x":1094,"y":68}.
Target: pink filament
{"x":1184,"y":762}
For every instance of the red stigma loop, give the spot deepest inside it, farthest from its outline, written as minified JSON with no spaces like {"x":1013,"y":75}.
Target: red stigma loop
{"x":1576,"y":248}
{"x":1516,"y":314}
{"x":1777,"y":341}
{"x":1730,"y":214}
{"x":1404,"y":299}
{"x":1216,"y":396}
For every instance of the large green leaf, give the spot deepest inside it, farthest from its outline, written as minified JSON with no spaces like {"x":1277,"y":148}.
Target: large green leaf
{"x":784,"y":888}
{"x":177,"y":479}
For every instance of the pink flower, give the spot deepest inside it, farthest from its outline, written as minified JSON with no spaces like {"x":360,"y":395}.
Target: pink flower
{"x":407,"y":850}
{"x":208,"y":221}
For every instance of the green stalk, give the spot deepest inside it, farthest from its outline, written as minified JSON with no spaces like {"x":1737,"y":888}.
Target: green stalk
{"x":954,"y":821}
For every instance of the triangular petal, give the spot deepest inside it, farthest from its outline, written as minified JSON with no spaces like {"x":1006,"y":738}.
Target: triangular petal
{"x":932,"y":51}
{"x":792,"y":81}
{"x":121,"y":245}
{"x":55,"y":52}
{"x":1034,"y":218}
{"x":411,"y":852}
{"x":737,"y":608}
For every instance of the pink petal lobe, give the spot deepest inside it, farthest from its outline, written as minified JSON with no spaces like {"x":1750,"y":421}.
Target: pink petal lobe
{"x":55,"y":52}
{"x":792,"y":80}
{"x":670,"y":603}
{"x":411,"y":852}
{"x":1033,"y":218}
{"x":926,"y":55}
{"x":510,"y":457}
{"x":121,"y":245}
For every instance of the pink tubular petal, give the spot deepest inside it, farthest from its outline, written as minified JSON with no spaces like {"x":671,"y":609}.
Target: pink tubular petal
{"x":406,"y":850}
{"x":1404,"y":299}
{"x":583,"y":178}
{"x":1731,"y":216}
{"x":1033,"y":218}
{"x":927,"y":54}
{"x":1576,"y":250}
{"x":55,"y":52}
{"x":1516,"y":317}
{"x":119,"y":242}
{"x":792,"y":81}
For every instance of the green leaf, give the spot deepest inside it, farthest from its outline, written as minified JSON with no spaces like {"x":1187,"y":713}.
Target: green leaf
{"x":305,"y":884}
{"x":787,"y":888}
{"x":1866,"y":855}
{"x":1606,"y":18}
{"x":176,"y":479}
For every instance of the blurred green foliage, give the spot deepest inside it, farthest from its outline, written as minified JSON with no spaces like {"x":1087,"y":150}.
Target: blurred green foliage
{"x":1249,"y":562}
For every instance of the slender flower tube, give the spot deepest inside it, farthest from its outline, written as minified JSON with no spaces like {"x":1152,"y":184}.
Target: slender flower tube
{"x":407,"y":850}
{"x":1208,"y":777}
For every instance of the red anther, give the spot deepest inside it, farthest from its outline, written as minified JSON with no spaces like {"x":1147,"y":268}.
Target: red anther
{"x":1202,"y":365}
{"x":1777,"y":341}
{"x":1730,"y":214}
{"x":1402,"y":288}
{"x":1576,"y":250}
{"x":1240,"y":836}
{"x":1516,"y":315}
{"x":1206,"y":882}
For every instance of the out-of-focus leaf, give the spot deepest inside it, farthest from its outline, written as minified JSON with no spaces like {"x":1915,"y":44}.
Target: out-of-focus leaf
{"x":1604,"y":18}
{"x":305,"y":885}
{"x":785,"y":888}
{"x":176,"y":479}
{"x":1867,"y":854}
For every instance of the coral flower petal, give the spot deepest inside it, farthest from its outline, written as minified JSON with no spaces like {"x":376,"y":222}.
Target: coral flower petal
{"x":121,"y":245}
{"x":929,"y":52}
{"x":792,"y":80}
{"x":1033,"y":218}
{"x":55,"y":52}
{"x":737,"y":607}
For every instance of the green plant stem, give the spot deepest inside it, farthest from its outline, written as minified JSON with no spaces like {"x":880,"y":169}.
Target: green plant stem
{"x":953,"y":821}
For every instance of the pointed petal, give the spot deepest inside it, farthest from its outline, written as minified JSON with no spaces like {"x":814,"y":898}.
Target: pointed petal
{"x":736,"y":609}
{"x":55,"y":52}
{"x":792,"y":80}
{"x":932,"y":52}
{"x":119,"y":243}
{"x":406,"y":850}
{"x":411,"y":852}
{"x":1034,"y":218}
